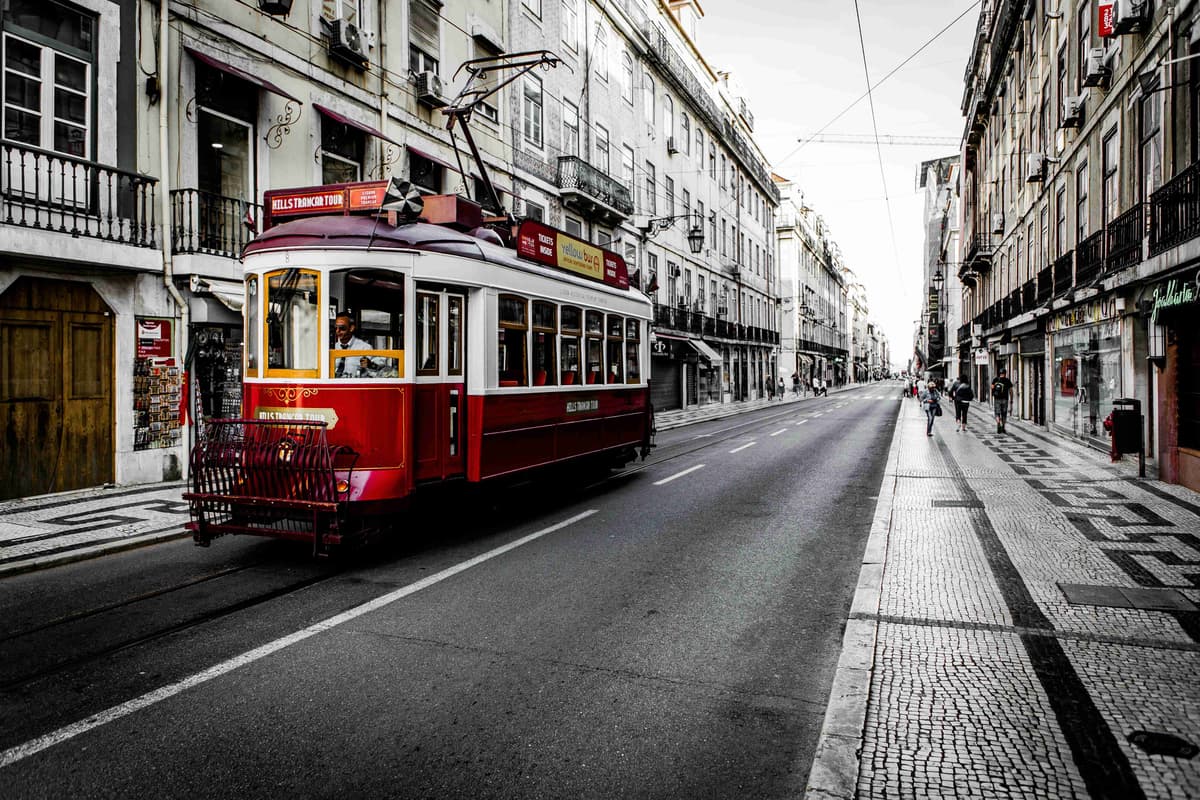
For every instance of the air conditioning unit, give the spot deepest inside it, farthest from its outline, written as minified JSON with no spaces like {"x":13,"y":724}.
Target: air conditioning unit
{"x":1035,"y":167}
{"x":672,"y":148}
{"x":429,"y":89}
{"x":997,"y":223}
{"x":346,"y":43}
{"x":1072,"y":111}
{"x":1130,"y":16}
{"x":1095,"y":71}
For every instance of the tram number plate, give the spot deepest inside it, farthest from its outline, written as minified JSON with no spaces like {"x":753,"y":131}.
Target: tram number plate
{"x":577,"y":406}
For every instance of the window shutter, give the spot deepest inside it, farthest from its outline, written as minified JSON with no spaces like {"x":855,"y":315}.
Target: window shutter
{"x":424,"y":26}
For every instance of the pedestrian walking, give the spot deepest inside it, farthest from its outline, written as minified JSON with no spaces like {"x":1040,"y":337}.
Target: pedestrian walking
{"x":796,"y":383}
{"x":781,"y":390}
{"x":962,"y":394}
{"x":1001,"y":394}
{"x":931,"y":404}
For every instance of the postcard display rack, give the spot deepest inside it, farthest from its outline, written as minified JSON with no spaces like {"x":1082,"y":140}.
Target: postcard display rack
{"x":156,"y":393}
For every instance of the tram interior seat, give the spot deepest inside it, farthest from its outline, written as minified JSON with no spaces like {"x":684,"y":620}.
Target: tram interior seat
{"x":539,"y":378}
{"x":568,"y":378}
{"x":592,"y":377}
{"x":508,"y":383}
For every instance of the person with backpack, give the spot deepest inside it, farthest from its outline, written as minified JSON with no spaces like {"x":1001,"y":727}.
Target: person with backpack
{"x":1001,"y":392}
{"x":962,"y":394}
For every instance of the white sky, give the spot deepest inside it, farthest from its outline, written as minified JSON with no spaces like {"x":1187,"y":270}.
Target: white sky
{"x":799,"y":64}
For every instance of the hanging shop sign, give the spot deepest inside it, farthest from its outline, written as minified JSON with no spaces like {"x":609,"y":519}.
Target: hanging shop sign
{"x":981,"y":357}
{"x":153,"y":338}
{"x":1104,"y":19}
{"x":1087,"y":314}
{"x":934,"y":302}
{"x":1172,"y":294}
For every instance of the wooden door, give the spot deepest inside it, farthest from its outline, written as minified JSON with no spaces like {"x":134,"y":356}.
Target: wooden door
{"x":56,"y":388}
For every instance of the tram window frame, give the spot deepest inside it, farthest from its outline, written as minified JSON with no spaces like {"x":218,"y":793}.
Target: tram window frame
{"x":614,"y":346}
{"x":545,"y":344}
{"x":250,"y":368}
{"x":300,"y":333}
{"x":375,"y":299}
{"x":593,"y":331}
{"x":512,"y":334}
{"x":570,"y":350}
{"x":455,"y":316}
{"x":633,"y":351}
{"x":428,"y":332}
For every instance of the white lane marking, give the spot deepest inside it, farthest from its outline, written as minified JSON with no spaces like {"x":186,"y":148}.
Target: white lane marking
{"x":743,"y":447}
{"x":801,"y":422}
{"x":34,"y":746}
{"x":819,"y":413}
{"x":702,"y":436}
{"x":679,"y":475}
{"x":781,"y":430}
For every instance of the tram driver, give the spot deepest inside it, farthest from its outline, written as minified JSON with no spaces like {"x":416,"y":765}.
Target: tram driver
{"x":344,"y":339}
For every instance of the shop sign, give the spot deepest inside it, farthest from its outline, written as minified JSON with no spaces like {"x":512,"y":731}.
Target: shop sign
{"x":545,"y":245}
{"x":1086,"y":314}
{"x":1173,"y":294}
{"x":1104,"y":19}
{"x":281,"y":414}
{"x":153,"y":338}
{"x":934,"y":302}
{"x":981,"y":357}
{"x":659,"y":347}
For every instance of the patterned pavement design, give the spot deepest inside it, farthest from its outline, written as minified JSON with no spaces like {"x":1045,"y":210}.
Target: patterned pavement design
{"x":968,"y":672}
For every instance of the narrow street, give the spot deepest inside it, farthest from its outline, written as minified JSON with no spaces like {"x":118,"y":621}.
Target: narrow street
{"x":670,"y":631}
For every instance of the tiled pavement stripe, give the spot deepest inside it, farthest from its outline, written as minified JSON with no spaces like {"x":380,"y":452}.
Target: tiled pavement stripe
{"x":19,"y":507}
{"x":1101,"y":762}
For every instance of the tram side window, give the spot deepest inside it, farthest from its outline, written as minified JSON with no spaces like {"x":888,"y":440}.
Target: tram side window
{"x":571,"y":319}
{"x":594,"y":330}
{"x":454,"y":334}
{"x":252,"y":329}
{"x":545,"y":328}
{"x":374,"y":299}
{"x":514,"y":330}
{"x":427,"y":334}
{"x":633,"y":338}
{"x":292,"y":321}
{"x":616,"y":350}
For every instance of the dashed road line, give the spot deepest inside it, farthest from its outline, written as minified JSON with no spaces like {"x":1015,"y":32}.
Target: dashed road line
{"x":679,"y":475}
{"x":781,"y":430}
{"x":743,"y":447}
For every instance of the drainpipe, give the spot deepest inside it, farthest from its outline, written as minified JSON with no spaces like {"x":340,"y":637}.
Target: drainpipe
{"x":164,"y":102}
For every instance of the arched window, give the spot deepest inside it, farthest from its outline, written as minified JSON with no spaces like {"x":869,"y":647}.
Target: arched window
{"x":685,"y":134}
{"x":648,"y":98}
{"x":627,"y":77}
{"x":668,"y":115}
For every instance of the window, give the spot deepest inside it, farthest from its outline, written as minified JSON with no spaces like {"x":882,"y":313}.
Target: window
{"x":700,"y":144}
{"x":535,"y":211}
{"x":1151,"y":146}
{"x":427,"y":333}
{"x":627,"y":176}
{"x":570,"y":24}
{"x":489,"y":109}
{"x":1085,"y":43}
{"x":1081,"y":209}
{"x":1060,"y":222}
{"x":570,"y":128}
{"x":1062,"y":82}
{"x":687,"y":286}
{"x":627,"y":77}
{"x":531,"y":110}
{"x":651,"y":204}
{"x":600,"y":55}
{"x":425,"y":173}
{"x":687,"y":206}
{"x":669,"y":115}
{"x":569,"y":345}
{"x":673,"y":297}
{"x":424,"y":35}
{"x":1109,"y":164}
{"x":648,"y":99}
{"x":454,"y":335}
{"x":594,"y":333}
{"x":712,"y":159}
{"x":573,"y":226}
{"x":633,"y":338}
{"x":514,"y":326}
{"x":292,"y":320}
{"x":1044,"y":255}
{"x":342,"y":150}
{"x":685,"y":134}
{"x":251,"y":317}
{"x":374,"y":300}
{"x":340,"y":9}
{"x":615,"y":350}
{"x":533,"y":6}
{"x":724,"y":169}
{"x":1031,"y":256}
{"x":652,"y":271}
{"x":545,"y":336}
{"x":602,"y":146}
{"x":669,"y":192}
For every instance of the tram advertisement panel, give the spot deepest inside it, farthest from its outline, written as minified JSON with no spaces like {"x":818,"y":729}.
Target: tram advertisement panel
{"x":545,"y":245}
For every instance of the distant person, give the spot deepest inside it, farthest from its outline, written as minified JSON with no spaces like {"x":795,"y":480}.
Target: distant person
{"x":796,"y":383}
{"x":780,"y":389}
{"x":1001,"y":394}
{"x":962,"y":394}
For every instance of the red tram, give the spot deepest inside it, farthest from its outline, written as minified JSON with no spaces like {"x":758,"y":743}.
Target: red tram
{"x":380,"y":357}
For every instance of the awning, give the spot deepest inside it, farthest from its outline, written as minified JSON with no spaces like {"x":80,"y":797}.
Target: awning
{"x":353,"y":123}
{"x":230,"y":294}
{"x":714,"y":358}
{"x":229,"y":69}
{"x":805,"y":360}
{"x":454,"y":167}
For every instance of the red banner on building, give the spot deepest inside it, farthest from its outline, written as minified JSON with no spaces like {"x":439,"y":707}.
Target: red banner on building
{"x":1104,"y":19}
{"x":545,"y":245}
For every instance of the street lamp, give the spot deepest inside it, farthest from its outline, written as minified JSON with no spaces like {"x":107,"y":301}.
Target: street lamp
{"x":695,"y":234}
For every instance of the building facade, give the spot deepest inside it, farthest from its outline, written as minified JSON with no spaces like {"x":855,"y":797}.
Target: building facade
{"x":1078,"y":197}
{"x":938,"y":349}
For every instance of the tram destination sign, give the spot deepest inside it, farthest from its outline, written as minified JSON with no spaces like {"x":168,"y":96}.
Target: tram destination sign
{"x":546,"y":245}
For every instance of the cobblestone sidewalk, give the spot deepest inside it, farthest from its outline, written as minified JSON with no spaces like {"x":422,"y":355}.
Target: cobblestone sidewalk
{"x":1025,"y":625}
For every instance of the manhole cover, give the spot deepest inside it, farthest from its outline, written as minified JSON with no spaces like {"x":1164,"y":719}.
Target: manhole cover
{"x":1163,"y":744}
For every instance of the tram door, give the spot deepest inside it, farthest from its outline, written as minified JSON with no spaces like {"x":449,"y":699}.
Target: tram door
{"x":440,"y":389}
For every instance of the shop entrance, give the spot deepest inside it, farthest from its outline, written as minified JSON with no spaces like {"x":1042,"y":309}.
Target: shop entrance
{"x":56,"y":388}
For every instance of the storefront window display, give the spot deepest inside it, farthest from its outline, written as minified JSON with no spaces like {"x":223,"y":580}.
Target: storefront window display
{"x":1087,"y":377}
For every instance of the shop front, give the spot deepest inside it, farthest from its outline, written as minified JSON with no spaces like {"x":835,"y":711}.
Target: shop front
{"x":1087,"y":369}
{"x":1174,"y":346}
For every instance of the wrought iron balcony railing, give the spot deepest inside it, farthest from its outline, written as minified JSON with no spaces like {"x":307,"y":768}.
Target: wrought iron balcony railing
{"x":1089,"y":259}
{"x":209,"y":223}
{"x":576,"y":174}
{"x":1175,"y":211}
{"x":55,"y":192}
{"x":1125,"y":234}
{"x":1064,"y":275}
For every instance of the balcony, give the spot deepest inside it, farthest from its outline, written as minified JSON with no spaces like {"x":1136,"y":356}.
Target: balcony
{"x":1064,"y":276}
{"x":54,"y":192}
{"x":1175,"y":211}
{"x":980,"y":248}
{"x":1089,"y":259}
{"x":591,"y":192}
{"x":211,"y":224}
{"x":1029,"y":295}
{"x":1125,"y":238}
{"x":964,"y":334}
{"x":1045,"y":284}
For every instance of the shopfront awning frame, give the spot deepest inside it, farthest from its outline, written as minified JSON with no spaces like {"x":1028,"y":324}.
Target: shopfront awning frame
{"x":239,"y":73}
{"x":326,"y":111}
{"x":706,"y":352}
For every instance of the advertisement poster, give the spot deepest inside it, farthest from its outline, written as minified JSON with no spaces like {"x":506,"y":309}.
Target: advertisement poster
{"x":153,"y":338}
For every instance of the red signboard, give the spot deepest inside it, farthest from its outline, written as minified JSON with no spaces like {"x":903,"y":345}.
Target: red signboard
{"x":338,"y":198}
{"x":318,"y":202}
{"x":153,"y":338}
{"x":1104,"y":19}
{"x":545,"y":245}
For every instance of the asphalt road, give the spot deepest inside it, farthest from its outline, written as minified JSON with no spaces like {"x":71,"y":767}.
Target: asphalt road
{"x":671,"y":631}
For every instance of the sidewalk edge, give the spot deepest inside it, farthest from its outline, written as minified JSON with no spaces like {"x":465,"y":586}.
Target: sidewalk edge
{"x":85,"y":554}
{"x":835,"y":768}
